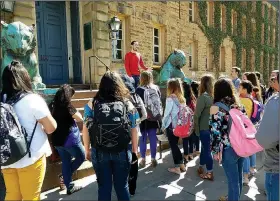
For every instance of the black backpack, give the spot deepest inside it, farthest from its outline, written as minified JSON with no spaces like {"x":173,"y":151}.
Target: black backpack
{"x":13,"y":137}
{"x":109,"y":130}
{"x":136,"y":101}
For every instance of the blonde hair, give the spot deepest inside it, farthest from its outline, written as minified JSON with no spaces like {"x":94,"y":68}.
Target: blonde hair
{"x":174,"y":86}
{"x":207,"y":85}
{"x":146,"y":78}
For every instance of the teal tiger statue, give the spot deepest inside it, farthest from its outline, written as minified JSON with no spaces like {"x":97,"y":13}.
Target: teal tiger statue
{"x":18,"y":42}
{"x":172,"y":68}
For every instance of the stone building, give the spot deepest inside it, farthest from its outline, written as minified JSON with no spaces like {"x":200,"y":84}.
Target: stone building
{"x":69,"y":34}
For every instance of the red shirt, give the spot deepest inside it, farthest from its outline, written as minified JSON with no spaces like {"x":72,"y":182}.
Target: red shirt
{"x":132,"y":62}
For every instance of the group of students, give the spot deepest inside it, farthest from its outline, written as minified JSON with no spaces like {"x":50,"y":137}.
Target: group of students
{"x":124,"y":115}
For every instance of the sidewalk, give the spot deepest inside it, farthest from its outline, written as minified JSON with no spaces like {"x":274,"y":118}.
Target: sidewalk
{"x":159,"y":184}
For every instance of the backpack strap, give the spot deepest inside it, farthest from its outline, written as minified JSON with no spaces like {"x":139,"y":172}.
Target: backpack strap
{"x":29,"y":144}
{"x":222,"y":105}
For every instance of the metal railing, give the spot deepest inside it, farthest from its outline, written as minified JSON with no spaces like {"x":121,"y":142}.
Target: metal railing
{"x":107,"y":68}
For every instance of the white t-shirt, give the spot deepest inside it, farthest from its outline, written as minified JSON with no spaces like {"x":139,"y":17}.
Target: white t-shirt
{"x":30,"y":109}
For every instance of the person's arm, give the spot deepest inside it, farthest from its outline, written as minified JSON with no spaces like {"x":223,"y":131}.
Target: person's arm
{"x":127,"y":65}
{"x":134,"y":140}
{"x":167,"y":112}
{"x":87,"y":114}
{"x":134,"y":119}
{"x":142,"y":64}
{"x":42,"y":114}
{"x":77,"y":116}
{"x":143,"y":109}
{"x":268,"y":130}
{"x":198,"y":110}
{"x":48,"y":123}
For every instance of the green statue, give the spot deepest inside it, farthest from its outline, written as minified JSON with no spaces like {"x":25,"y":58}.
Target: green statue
{"x":172,"y":68}
{"x":18,"y":42}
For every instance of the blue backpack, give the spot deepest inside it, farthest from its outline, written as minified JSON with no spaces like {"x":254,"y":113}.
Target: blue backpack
{"x":13,"y":137}
{"x":257,"y":111}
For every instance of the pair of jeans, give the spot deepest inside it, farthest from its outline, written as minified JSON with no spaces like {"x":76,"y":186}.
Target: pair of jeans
{"x":233,"y":165}
{"x":69,"y":166}
{"x":175,"y":150}
{"x":136,"y":80}
{"x":249,"y":162}
{"x":2,"y":187}
{"x":112,"y":168}
{"x":205,"y":155}
{"x":152,"y":133}
{"x":272,"y":186}
{"x":196,"y":141}
{"x":188,"y":145}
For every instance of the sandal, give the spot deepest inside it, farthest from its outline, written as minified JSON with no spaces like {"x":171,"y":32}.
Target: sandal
{"x":174,"y":170}
{"x":183,"y":168}
{"x":223,"y":198}
{"x":200,"y":170}
{"x":190,"y":157}
{"x":208,"y":176}
{"x":142,"y":164}
{"x":185,"y":161}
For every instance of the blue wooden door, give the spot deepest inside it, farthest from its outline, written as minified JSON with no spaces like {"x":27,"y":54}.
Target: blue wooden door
{"x":52,"y":42}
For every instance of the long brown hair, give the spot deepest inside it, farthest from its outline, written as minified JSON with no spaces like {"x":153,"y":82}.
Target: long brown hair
{"x":252,"y":77}
{"x":206,"y":85}
{"x":15,"y":78}
{"x":224,"y":88}
{"x":174,"y":86}
{"x":112,"y":88}
{"x":146,"y":78}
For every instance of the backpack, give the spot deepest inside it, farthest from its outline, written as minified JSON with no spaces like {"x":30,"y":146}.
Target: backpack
{"x":152,"y":104}
{"x":13,"y":137}
{"x":136,"y":101}
{"x":185,"y":123}
{"x":241,"y":132}
{"x":257,"y":111}
{"x":109,"y":130}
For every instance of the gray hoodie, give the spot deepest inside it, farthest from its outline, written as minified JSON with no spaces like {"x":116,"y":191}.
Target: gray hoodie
{"x":268,"y":134}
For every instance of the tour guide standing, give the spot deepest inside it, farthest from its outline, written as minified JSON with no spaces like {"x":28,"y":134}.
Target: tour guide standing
{"x":132,"y":61}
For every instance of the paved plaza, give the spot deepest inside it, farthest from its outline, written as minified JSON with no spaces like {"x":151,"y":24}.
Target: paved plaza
{"x":159,"y":184}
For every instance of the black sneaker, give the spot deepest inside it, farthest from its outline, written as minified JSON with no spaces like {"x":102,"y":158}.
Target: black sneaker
{"x":73,"y":189}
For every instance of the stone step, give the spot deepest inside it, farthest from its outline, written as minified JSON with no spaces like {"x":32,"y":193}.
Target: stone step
{"x":82,"y":94}
{"x":80,"y":103}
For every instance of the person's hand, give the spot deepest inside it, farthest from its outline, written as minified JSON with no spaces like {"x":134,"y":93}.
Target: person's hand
{"x":88,"y":155}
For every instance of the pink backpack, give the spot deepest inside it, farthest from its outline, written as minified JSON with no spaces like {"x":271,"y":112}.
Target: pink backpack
{"x":241,"y":132}
{"x":185,"y":123}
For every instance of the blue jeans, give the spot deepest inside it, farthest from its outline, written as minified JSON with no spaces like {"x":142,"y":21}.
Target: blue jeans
{"x":233,"y":164}
{"x":112,"y":167}
{"x":205,"y":155}
{"x":136,"y":80}
{"x":272,"y":186}
{"x":188,"y":145}
{"x":2,"y":187}
{"x":249,"y":162}
{"x":69,"y":166}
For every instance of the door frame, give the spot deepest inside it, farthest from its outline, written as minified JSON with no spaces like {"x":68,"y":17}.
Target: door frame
{"x":66,"y":53}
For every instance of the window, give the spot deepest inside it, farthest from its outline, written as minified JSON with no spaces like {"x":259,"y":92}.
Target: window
{"x":87,"y":36}
{"x":156,"y":45}
{"x":209,"y":59}
{"x":210,"y":13}
{"x":222,"y":59}
{"x":223,"y":18}
{"x":254,"y":29}
{"x":261,"y":63}
{"x":244,"y":27}
{"x":243,"y":59}
{"x":190,"y":56}
{"x":262,"y":33}
{"x":117,"y":44}
{"x":253,"y":58}
{"x":234,"y":22}
{"x":233,"y":52}
{"x":190,"y":11}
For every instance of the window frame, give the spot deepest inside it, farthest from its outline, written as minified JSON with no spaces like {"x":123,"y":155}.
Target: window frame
{"x":191,"y":9}
{"x":114,"y":48}
{"x":158,"y":46}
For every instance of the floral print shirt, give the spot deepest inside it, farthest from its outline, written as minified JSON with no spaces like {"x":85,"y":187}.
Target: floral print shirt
{"x":218,"y":124}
